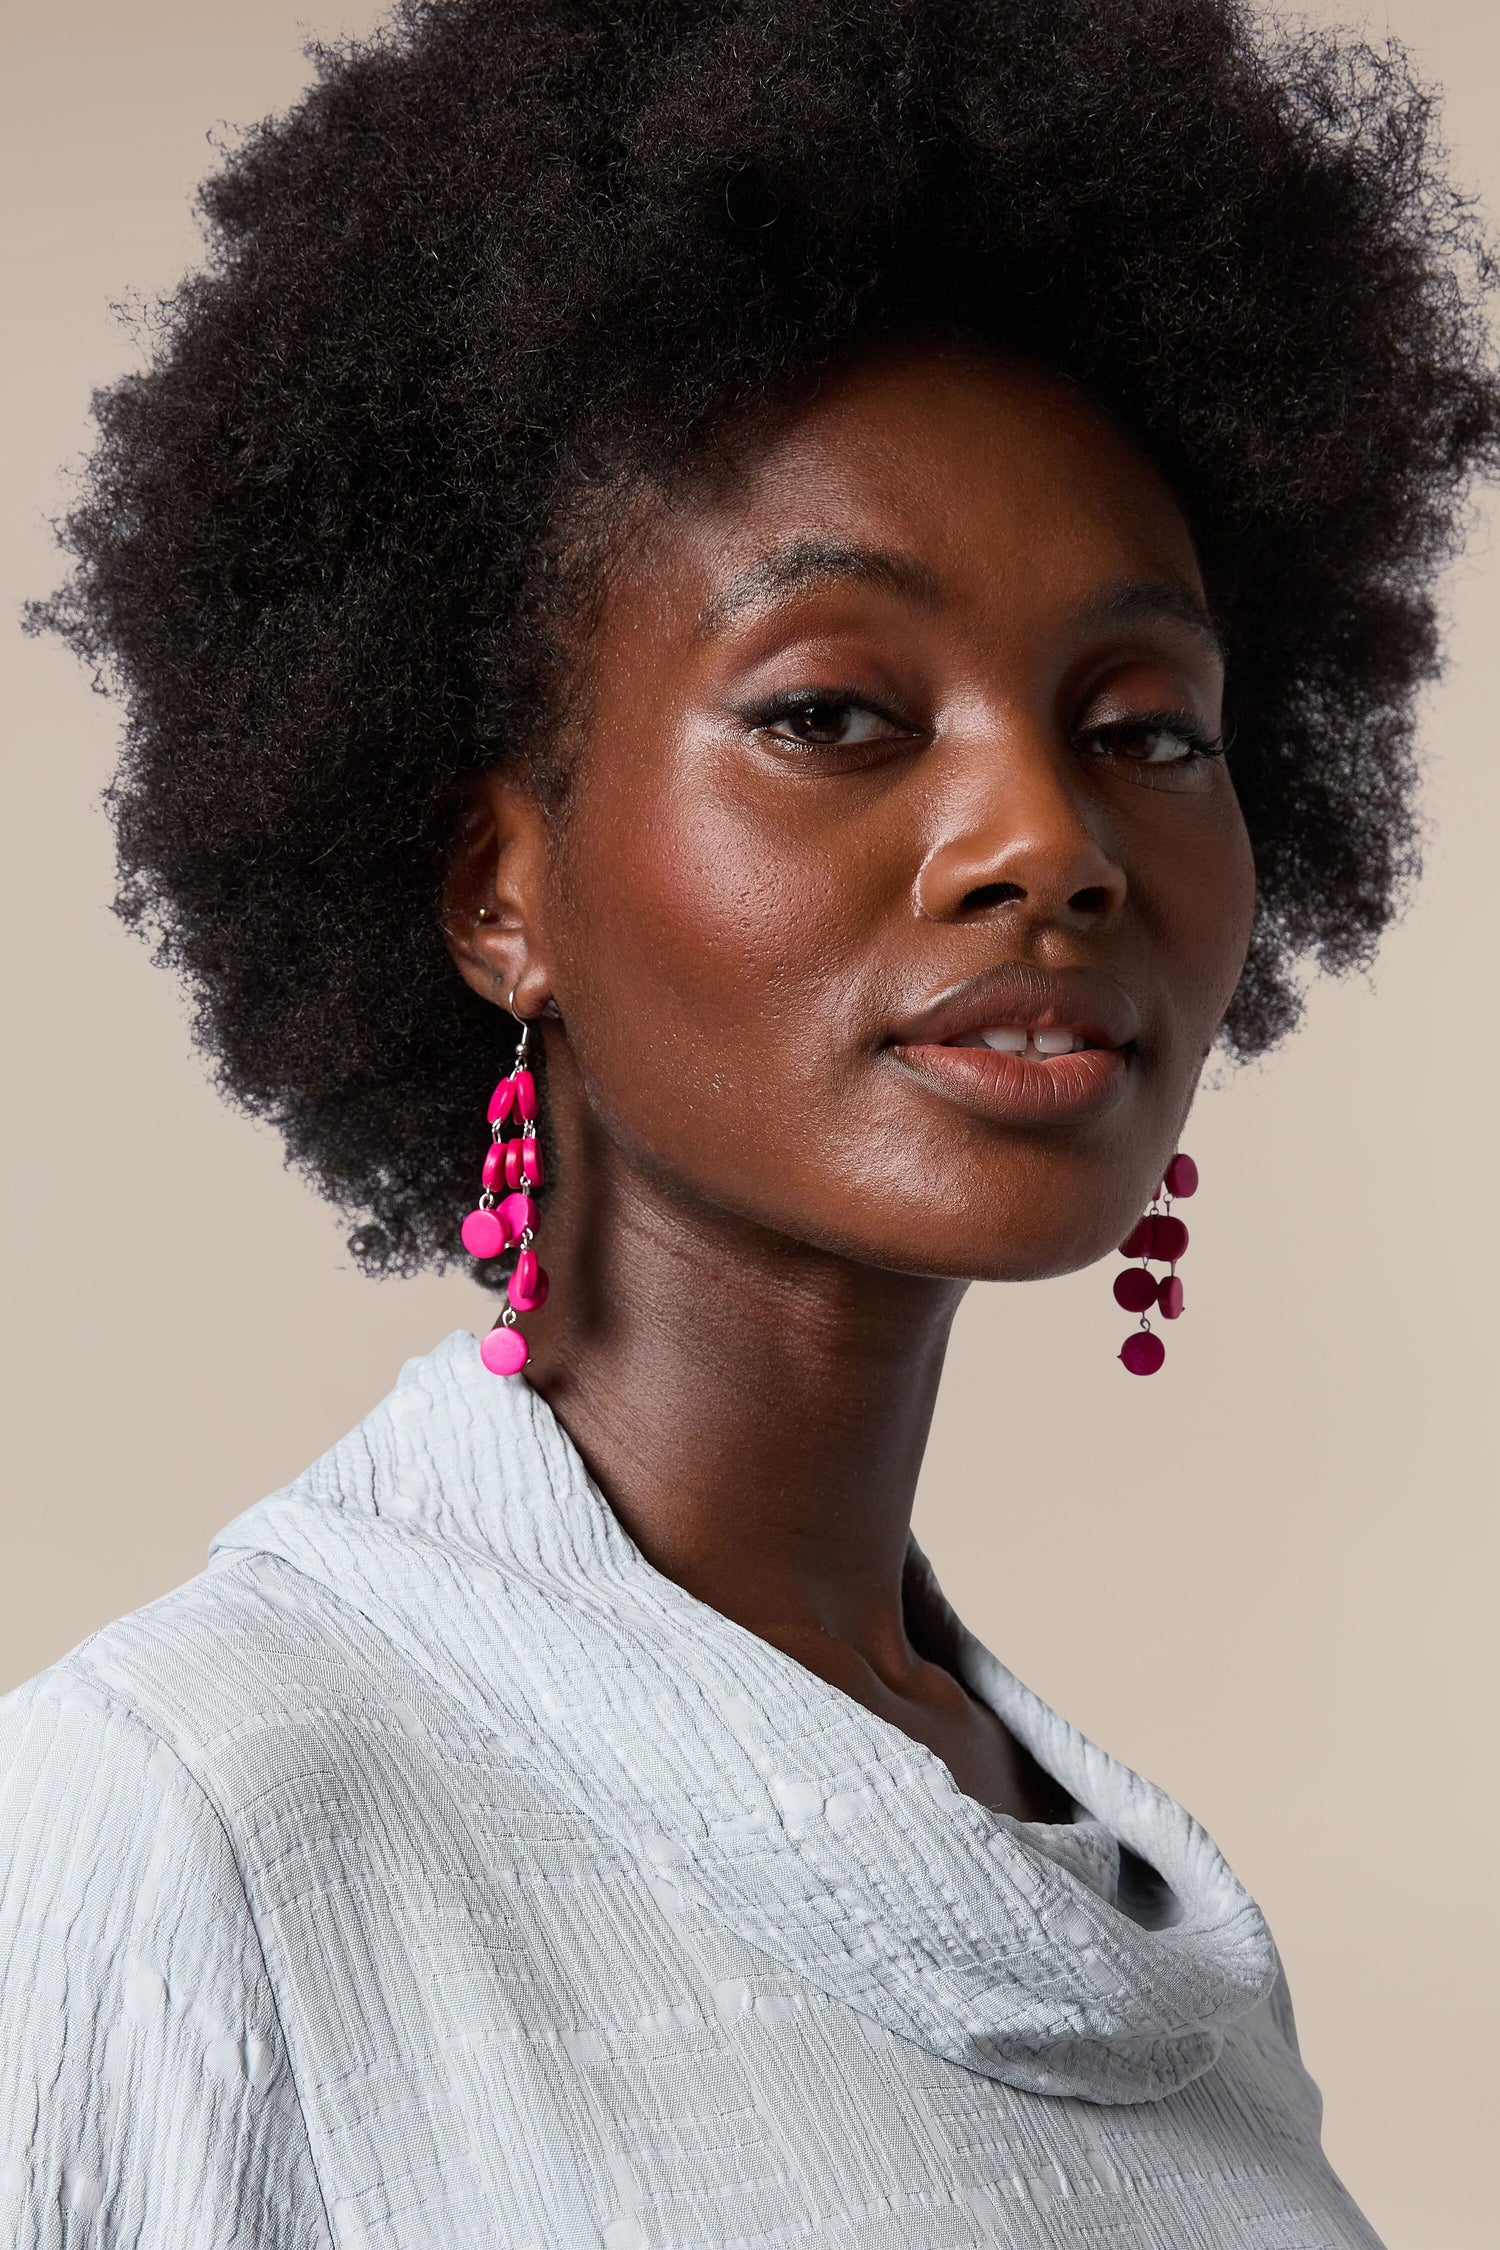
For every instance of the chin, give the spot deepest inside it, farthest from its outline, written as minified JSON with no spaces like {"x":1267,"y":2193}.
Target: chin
{"x":1040,"y":1261}
{"x":1053,"y":1228}
{"x":1016,"y":1255}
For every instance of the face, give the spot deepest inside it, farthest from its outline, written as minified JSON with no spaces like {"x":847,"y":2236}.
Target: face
{"x":902,"y":884}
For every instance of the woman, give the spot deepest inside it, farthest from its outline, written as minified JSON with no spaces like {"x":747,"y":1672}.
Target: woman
{"x":838,"y":591}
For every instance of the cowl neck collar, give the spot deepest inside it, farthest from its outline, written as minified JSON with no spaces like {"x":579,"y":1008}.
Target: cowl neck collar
{"x":459,"y":1520}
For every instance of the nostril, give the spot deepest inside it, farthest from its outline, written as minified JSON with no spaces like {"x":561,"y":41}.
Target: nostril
{"x":991,"y":894}
{"x":1093,"y":900}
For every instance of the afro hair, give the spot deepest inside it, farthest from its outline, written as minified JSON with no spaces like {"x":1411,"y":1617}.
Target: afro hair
{"x":507,"y":251}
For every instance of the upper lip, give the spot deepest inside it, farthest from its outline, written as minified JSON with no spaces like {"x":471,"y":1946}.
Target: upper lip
{"x":1018,"y":992}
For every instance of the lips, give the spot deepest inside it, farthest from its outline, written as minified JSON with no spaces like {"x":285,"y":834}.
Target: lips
{"x":1023,"y":1044}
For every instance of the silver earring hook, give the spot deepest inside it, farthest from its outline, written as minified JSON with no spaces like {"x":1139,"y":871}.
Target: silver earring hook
{"x":525,"y":1029}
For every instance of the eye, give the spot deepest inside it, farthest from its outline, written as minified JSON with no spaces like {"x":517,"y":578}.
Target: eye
{"x":826,"y":722}
{"x":1155,"y":738}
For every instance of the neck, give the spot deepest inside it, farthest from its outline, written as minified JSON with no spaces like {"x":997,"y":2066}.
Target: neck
{"x":754,"y":1409}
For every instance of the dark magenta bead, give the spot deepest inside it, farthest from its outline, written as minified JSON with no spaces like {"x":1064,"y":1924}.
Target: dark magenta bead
{"x":1135,"y":1289}
{"x":1143,"y":1352}
{"x":525,"y":1094}
{"x":1169,"y":1238}
{"x":502,"y":1101}
{"x":1182,"y":1176}
{"x":494,"y":1164}
{"x":512,"y":1164}
{"x":1169,"y":1297}
{"x":1134,"y":1245}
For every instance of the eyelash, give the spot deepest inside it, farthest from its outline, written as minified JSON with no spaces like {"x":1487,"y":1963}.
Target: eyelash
{"x":763,"y":716}
{"x":1180,"y":725}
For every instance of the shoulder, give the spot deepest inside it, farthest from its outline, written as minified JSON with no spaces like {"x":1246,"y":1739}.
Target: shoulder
{"x":112,"y":1858}
{"x":218,"y":1753}
{"x":249,"y":1681}
{"x":100,"y":1767}
{"x":144,"y":2080}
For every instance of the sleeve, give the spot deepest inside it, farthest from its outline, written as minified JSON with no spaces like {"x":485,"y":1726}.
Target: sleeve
{"x":146,"y":2099}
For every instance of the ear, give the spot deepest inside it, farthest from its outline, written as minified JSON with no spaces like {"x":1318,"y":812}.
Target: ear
{"x":493,"y":896}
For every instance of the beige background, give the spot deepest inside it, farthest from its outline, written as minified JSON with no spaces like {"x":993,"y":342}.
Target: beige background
{"x":1266,"y":1577}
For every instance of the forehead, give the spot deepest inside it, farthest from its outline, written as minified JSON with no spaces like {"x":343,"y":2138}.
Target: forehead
{"x":996,"y":483}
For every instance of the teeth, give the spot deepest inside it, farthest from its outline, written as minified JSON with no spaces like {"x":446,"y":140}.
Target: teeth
{"x":1015,"y":1039}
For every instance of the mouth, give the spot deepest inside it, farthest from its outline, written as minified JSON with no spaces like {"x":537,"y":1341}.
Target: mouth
{"x":1024,"y":1045}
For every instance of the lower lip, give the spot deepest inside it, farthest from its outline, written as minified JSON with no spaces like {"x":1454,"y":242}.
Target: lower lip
{"x":1016,"y":1089}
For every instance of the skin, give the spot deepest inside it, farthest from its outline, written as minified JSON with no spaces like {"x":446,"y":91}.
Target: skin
{"x":766,"y":1204}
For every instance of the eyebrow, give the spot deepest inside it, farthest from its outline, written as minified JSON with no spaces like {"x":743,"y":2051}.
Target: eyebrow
{"x":1148,"y":602}
{"x":812,"y":562}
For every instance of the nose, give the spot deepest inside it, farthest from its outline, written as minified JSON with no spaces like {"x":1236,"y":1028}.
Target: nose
{"x":1019,"y":830}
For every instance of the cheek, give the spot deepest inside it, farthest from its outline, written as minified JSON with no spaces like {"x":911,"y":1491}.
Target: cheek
{"x":1199,"y":902}
{"x":704,"y":964}
{"x":1230,"y":906}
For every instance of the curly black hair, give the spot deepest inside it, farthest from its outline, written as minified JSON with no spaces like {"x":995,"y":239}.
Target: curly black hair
{"x":512,"y":251}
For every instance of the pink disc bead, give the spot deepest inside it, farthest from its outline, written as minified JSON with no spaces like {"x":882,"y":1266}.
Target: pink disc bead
{"x":485,"y":1233}
{"x":494,"y":1164}
{"x":1136,"y":1242}
{"x":519,"y":1214}
{"x":527,"y":1287}
{"x":1143,"y":1353}
{"x":525,"y":1094}
{"x":523,"y":1163}
{"x":1169,"y":1297}
{"x":1135,"y":1289}
{"x":502,"y":1101}
{"x":1182,"y":1176}
{"x":504,"y":1351}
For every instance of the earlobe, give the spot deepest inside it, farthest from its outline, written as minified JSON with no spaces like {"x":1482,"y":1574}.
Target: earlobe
{"x":493,"y":893}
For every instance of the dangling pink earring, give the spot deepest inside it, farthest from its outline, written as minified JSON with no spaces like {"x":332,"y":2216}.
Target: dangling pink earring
{"x":1160,"y":1236}
{"x":510,"y":1222}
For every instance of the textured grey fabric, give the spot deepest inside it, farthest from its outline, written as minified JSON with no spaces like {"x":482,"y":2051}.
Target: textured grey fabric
{"x":431,"y":1874}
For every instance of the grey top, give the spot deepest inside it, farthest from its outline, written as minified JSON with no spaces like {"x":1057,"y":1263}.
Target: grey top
{"x":432,"y":1874}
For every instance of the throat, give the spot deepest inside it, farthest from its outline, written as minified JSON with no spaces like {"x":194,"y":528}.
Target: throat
{"x":756,"y":1413}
